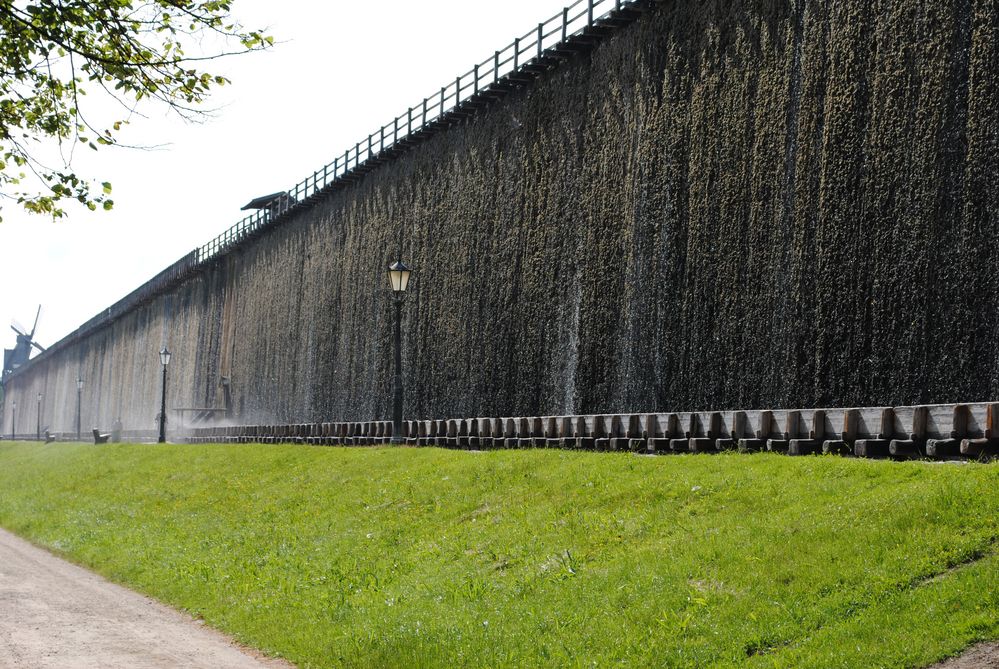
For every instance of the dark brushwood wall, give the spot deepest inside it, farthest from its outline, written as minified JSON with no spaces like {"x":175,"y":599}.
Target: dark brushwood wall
{"x":738,"y":204}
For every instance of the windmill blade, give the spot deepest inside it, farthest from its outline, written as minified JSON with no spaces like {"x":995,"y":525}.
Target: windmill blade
{"x":41,"y":349}
{"x":37,"y":316}
{"x":18,"y":328}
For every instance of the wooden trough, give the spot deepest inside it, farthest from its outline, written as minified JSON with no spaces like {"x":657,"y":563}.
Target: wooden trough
{"x":934,"y":431}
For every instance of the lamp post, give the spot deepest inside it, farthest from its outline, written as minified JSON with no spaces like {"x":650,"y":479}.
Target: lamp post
{"x":164,"y":360}
{"x":38,"y":420}
{"x":13,"y":420}
{"x":79,"y":396}
{"x":399,"y":278}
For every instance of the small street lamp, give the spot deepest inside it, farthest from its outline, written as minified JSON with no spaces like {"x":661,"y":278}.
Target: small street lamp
{"x":13,"y":420}
{"x":399,"y":278}
{"x":38,"y":420}
{"x":79,"y":395}
{"x":164,"y":360}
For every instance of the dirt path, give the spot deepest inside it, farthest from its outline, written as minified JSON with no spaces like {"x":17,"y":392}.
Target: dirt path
{"x":55,"y":614}
{"x":982,"y":656}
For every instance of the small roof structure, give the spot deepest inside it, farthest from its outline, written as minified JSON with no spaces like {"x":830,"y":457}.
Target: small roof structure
{"x":265,"y":201}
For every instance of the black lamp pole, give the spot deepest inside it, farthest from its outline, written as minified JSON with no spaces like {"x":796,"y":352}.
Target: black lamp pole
{"x":38,"y":420}
{"x":79,"y":396}
{"x":398,"y":391}
{"x":164,"y":360}
{"x":13,"y":421}
{"x":399,"y":277}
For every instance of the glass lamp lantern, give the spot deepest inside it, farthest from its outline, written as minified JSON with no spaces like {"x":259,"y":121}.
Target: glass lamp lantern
{"x":399,"y":276}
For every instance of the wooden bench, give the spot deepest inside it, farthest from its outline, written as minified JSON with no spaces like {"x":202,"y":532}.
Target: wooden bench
{"x":100,"y":438}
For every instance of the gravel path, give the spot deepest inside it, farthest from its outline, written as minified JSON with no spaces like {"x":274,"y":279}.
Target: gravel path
{"x":55,"y":614}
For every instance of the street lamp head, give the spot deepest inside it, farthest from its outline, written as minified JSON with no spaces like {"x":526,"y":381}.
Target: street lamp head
{"x":79,"y":383}
{"x":14,"y":405}
{"x":399,"y":276}
{"x":165,"y":356}
{"x":39,"y":397}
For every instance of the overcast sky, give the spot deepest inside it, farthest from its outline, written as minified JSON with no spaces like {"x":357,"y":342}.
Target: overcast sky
{"x":341,"y":70}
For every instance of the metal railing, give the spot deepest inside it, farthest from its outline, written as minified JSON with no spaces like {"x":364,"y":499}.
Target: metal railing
{"x":520,"y":54}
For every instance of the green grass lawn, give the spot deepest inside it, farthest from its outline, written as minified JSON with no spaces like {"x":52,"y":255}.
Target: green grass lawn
{"x":429,"y":558}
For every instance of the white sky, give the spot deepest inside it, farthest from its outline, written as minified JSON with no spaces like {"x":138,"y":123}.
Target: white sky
{"x":341,"y":70}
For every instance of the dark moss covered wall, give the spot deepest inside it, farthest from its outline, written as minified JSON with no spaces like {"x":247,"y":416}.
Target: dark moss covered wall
{"x":728,"y":204}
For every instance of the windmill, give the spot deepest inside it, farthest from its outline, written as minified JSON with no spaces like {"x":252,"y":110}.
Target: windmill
{"x":17,"y":356}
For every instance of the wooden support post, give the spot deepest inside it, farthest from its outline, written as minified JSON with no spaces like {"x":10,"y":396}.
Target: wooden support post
{"x":411,"y":432}
{"x":942,"y":448}
{"x":778,"y":445}
{"x":541,"y":37}
{"x":524,"y":439}
{"x":551,"y":432}
{"x":679,"y":445}
{"x":635,"y":435}
{"x":660,"y":434}
{"x":616,"y":437}
{"x":478,"y":429}
{"x":704,"y":430}
{"x":836,"y":447}
{"x":979,"y":447}
{"x":536,"y":431}
{"x":701,"y":445}
{"x":580,"y":435}
{"x":806,"y":438}
{"x":850,"y":425}
{"x":871,"y":448}
{"x":804,"y":446}
{"x":600,"y":432}
{"x":904,"y":448}
{"x":909,"y":433}
{"x":751,"y":441}
{"x":516,"y":54}
{"x":510,"y":433}
{"x":565,"y":24}
{"x":495,"y":439}
{"x":565,"y":433}
{"x":992,"y":421}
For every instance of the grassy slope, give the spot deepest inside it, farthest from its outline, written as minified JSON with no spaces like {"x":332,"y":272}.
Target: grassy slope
{"x":382,"y":557}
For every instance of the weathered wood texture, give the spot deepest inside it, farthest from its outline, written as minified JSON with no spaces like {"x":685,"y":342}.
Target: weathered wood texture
{"x":968,"y":430}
